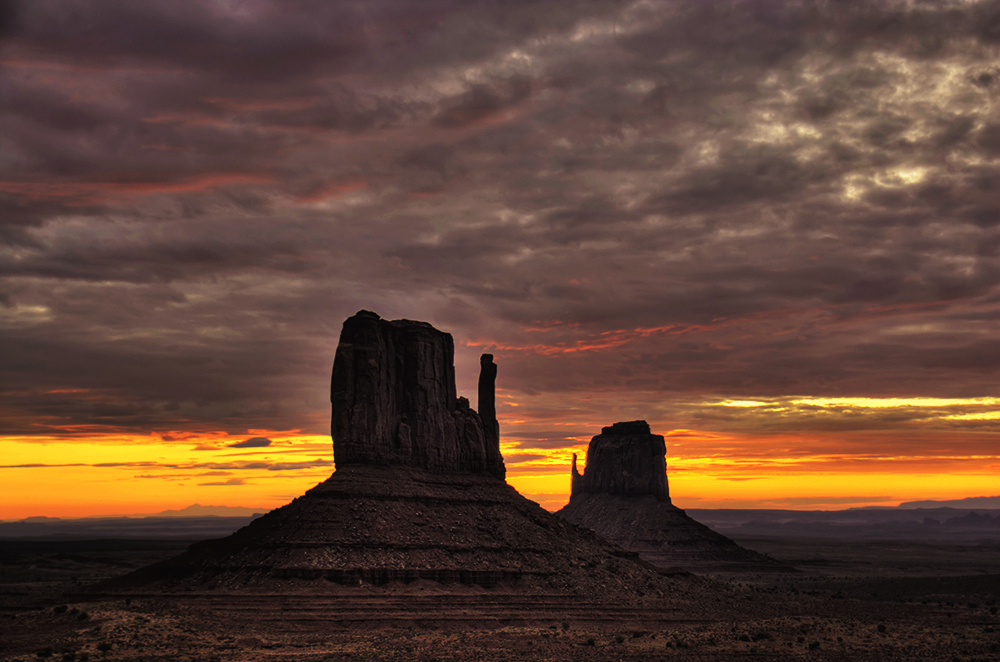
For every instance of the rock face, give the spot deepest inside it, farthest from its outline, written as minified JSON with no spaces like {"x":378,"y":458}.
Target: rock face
{"x":418,"y":496}
{"x":394,"y":401}
{"x":624,"y":459}
{"x":623,"y":496}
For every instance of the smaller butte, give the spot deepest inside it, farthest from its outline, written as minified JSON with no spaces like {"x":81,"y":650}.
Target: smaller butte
{"x":623,"y":496}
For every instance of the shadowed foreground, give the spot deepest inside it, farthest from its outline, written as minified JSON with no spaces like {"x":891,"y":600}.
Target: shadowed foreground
{"x":920,"y":613}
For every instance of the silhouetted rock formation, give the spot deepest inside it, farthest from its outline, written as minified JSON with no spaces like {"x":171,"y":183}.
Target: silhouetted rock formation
{"x":624,"y":459}
{"x":623,"y":496}
{"x":394,"y":401}
{"x":418,"y":495}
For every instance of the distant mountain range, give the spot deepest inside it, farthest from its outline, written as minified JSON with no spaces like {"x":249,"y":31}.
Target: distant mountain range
{"x":969,"y":503}
{"x":195,"y":510}
{"x":195,"y":522}
{"x":984,"y":502}
{"x":198,"y":510}
{"x":975,"y":518}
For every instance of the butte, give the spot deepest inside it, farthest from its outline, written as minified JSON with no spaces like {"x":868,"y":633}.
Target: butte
{"x":623,"y":495}
{"x":417,"y":523}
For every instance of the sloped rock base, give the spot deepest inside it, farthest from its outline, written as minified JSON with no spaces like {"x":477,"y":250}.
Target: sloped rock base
{"x":663,"y":534}
{"x":399,"y":527}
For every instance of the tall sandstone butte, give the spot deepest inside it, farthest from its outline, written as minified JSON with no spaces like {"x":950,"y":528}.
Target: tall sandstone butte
{"x":394,"y":401}
{"x":624,"y":496}
{"x":418,"y":496}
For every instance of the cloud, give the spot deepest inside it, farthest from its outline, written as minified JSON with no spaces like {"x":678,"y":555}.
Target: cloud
{"x":253,"y":442}
{"x":517,"y":458}
{"x":653,"y":205}
{"x":231,"y":481}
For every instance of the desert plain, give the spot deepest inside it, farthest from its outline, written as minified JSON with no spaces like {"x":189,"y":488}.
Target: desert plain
{"x":850,"y":598}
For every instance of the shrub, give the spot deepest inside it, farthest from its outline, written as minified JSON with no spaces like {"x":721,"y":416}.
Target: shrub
{"x":881,"y":627}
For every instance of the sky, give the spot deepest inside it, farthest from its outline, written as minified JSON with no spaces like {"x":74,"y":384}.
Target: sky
{"x":770,"y":228}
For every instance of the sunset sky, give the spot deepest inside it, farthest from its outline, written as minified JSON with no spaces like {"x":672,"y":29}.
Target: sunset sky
{"x":769,"y":228}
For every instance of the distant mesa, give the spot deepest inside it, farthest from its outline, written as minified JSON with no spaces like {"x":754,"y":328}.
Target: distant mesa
{"x":253,"y":442}
{"x":418,"y":496}
{"x":624,"y":496}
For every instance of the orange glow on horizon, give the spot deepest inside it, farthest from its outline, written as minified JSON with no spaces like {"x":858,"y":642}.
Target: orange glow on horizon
{"x":806,"y":482}
{"x":945,"y":448}
{"x":125,"y":475}
{"x":114,"y":474}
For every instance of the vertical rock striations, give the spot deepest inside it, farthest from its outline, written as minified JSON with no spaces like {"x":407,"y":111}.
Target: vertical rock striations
{"x":394,"y":401}
{"x":623,"y":496}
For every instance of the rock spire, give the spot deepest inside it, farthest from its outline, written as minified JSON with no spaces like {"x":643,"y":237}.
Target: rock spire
{"x":487,"y":400}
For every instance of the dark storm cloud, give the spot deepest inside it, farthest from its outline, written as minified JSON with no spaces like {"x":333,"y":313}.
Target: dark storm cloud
{"x":255,"y":39}
{"x":675,"y":198}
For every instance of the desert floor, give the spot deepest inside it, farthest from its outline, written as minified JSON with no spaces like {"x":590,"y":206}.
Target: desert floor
{"x":848,"y":601}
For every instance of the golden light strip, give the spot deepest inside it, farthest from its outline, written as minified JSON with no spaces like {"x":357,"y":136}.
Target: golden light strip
{"x":864,"y":403}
